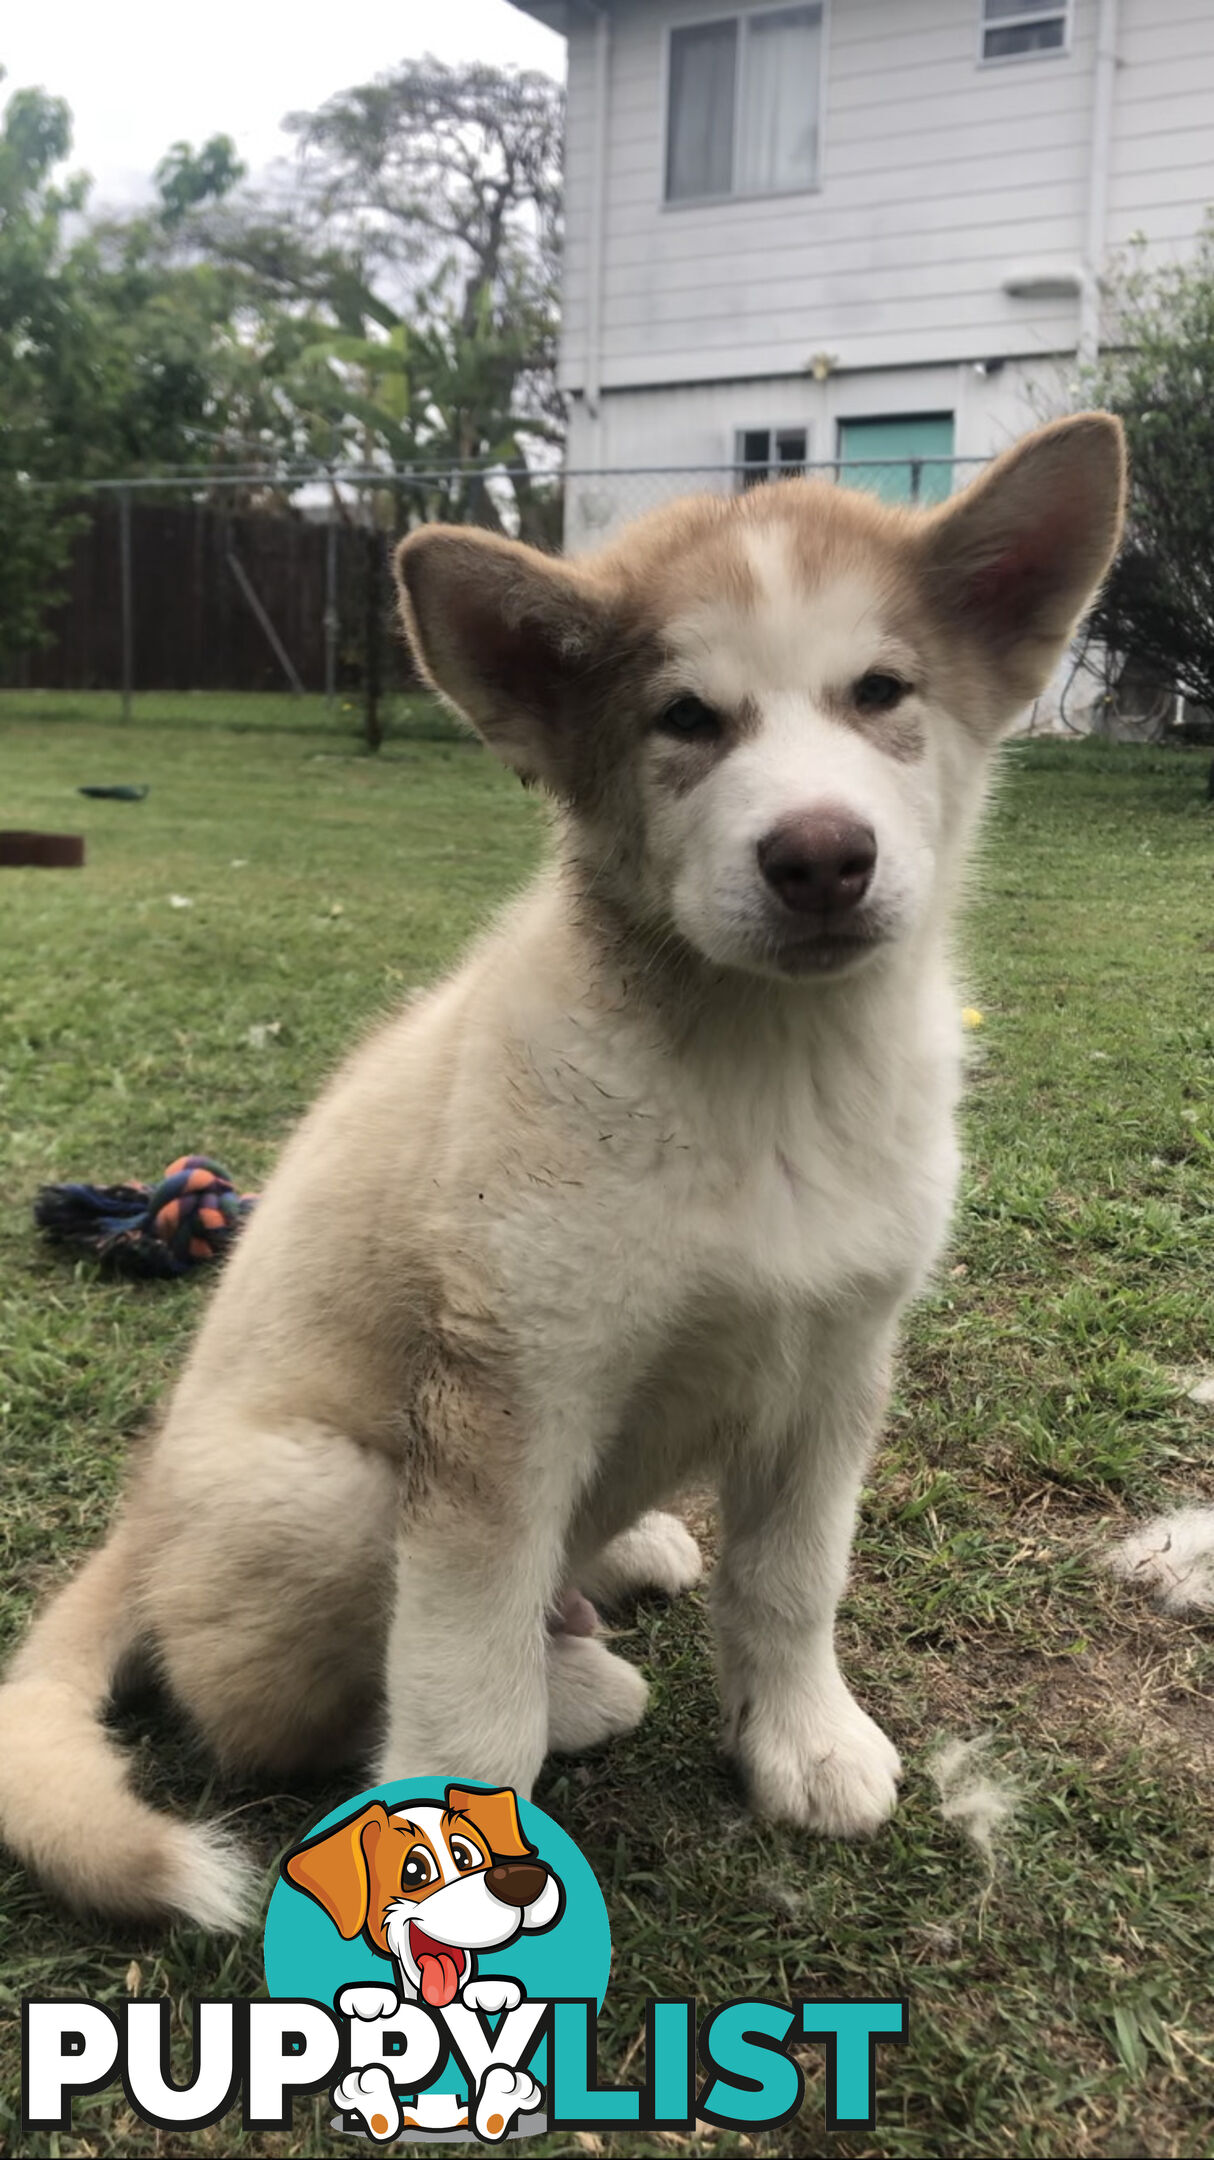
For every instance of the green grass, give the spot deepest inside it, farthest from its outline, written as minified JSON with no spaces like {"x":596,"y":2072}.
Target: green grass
{"x":1061,"y":2005}
{"x":269,"y":712}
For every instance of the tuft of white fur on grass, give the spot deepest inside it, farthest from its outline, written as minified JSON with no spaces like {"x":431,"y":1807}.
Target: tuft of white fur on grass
{"x":1172,"y":1556}
{"x":977,"y":1803}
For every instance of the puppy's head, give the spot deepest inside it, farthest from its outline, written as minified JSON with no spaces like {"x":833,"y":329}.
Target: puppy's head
{"x":769,"y":716}
{"x":431,"y":1885}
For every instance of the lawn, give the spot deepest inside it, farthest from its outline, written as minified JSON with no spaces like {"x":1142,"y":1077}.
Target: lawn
{"x":1060,"y":1999}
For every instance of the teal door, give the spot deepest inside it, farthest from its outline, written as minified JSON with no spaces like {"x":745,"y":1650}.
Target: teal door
{"x":901,"y":454}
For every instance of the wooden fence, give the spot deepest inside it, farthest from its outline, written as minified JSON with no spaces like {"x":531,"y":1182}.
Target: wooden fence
{"x":193,"y":623}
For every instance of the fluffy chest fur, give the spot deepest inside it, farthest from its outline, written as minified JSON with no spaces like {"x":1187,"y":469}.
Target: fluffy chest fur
{"x":695,"y":1207}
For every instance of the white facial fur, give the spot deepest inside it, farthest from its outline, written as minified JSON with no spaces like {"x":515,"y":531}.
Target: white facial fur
{"x":464,"y":1913}
{"x":791,"y":658}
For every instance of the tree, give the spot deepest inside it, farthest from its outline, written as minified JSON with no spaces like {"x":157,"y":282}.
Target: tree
{"x":397,"y":307}
{"x":423,"y":231}
{"x":1157,"y":609}
{"x":186,"y":177}
{"x":35,"y":135}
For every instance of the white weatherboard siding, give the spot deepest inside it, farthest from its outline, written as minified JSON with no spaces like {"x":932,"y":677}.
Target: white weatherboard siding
{"x":694,"y":429}
{"x":1162,"y":176}
{"x":696,"y":425}
{"x":938,"y":175}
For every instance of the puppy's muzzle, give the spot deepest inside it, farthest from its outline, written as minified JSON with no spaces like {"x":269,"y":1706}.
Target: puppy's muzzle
{"x":820,"y":863}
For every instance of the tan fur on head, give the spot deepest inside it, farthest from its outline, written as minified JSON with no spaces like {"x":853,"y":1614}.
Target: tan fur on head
{"x":525,"y":645}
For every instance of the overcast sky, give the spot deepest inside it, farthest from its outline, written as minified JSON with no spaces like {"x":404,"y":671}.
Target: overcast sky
{"x":141,"y":74}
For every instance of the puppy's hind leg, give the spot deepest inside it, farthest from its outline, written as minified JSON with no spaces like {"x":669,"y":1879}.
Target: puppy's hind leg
{"x":592,"y":1694}
{"x":267,"y":1557}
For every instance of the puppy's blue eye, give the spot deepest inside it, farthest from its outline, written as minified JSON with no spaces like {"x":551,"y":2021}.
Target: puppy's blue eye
{"x":876,"y":692}
{"x":690,"y":719}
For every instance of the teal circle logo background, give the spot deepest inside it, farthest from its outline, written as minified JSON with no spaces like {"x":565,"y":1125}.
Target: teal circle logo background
{"x":305,"y":1955}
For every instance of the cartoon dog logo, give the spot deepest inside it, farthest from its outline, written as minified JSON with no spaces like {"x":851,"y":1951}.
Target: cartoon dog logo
{"x":428,"y":1887}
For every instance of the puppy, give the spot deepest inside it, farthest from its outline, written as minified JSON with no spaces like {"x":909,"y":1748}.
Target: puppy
{"x":633,"y":1199}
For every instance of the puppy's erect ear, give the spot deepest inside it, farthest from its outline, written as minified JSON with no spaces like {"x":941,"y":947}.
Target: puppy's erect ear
{"x":1013,"y":561}
{"x":509,"y":636}
{"x":335,"y":1869}
{"x":496,"y":1814}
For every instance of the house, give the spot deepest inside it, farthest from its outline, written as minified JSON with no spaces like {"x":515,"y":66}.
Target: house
{"x":868,"y":233}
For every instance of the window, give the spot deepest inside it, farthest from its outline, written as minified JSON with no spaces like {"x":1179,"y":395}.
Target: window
{"x":742,"y":114}
{"x":769,"y":454}
{"x":901,"y":460}
{"x":1011,"y":28}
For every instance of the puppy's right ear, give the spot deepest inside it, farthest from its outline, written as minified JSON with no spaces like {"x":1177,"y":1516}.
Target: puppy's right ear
{"x":335,"y":1869}
{"x":1015,"y":558}
{"x":509,"y":636}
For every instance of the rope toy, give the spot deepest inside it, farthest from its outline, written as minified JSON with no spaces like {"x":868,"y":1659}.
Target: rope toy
{"x":192,"y":1216}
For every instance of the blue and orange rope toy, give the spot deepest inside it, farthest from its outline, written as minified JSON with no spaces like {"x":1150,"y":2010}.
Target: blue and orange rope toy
{"x":190,"y":1217}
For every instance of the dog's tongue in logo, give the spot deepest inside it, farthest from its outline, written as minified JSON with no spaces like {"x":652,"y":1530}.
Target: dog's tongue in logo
{"x":439,"y":1966}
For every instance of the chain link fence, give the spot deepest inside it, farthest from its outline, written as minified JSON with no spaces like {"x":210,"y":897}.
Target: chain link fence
{"x":264,"y":599}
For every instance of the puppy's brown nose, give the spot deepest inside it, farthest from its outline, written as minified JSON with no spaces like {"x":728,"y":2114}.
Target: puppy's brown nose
{"x":820,"y":863}
{"x":516,"y":1882}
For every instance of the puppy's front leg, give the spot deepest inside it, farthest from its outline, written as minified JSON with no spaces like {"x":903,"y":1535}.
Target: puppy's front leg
{"x":477,"y":1572}
{"x":810,"y":1753}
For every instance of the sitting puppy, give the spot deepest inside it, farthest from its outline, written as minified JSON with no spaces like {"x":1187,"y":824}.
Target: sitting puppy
{"x":633,"y":1199}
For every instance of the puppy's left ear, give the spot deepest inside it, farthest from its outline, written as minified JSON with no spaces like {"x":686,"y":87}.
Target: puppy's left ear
{"x":1011,"y":563}
{"x":496,"y":1815}
{"x":509,"y":636}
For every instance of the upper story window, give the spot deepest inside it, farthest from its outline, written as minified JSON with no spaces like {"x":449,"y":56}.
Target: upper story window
{"x":742,"y":112}
{"x":1011,"y":28}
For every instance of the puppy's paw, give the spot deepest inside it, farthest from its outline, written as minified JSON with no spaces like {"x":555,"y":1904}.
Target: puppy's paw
{"x":503,"y":2097}
{"x":657,"y":1554}
{"x":592,"y":1695}
{"x":368,"y":2094}
{"x":370,"y":2003}
{"x":832,"y":1771}
{"x":492,"y":1995}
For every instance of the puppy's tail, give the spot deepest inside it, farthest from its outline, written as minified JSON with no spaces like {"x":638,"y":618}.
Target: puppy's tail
{"x":67,"y":1807}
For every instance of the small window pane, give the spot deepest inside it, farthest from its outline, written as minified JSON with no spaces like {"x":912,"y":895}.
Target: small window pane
{"x":1024,"y":38}
{"x":780,"y":62}
{"x":703,"y":74}
{"x":1020,"y":26}
{"x":754,"y":455}
{"x":761,"y":453}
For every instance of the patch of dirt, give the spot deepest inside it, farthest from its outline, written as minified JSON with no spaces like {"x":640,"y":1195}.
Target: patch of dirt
{"x":1102,"y":1698}
{"x":1138,"y":1696}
